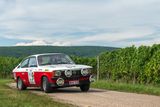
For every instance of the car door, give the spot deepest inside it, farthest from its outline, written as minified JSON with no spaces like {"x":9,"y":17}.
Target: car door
{"x":22,"y":70}
{"x":32,"y":68}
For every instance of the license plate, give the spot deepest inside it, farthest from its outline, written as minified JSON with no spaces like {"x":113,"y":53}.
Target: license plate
{"x":73,"y":82}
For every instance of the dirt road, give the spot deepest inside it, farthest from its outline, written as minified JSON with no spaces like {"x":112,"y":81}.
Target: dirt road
{"x":100,"y":98}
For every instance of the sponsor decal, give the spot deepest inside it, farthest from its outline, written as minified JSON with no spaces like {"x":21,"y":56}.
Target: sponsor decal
{"x":39,"y":69}
{"x":31,"y":77}
{"x":46,"y":70}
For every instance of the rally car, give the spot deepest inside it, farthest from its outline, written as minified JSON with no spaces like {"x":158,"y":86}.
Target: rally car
{"x":50,"y":71}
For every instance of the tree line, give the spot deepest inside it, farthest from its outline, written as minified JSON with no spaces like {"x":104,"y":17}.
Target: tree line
{"x":83,"y":51}
{"x":130,"y":64}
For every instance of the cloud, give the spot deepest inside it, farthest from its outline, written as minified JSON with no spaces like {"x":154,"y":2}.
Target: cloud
{"x":79,"y":22}
{"x":146,"y":42}
{"x":41,"y":42}
{"x":119,"y":36}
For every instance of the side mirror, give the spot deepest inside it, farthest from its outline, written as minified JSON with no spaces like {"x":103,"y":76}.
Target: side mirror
{"x":18,"y":66}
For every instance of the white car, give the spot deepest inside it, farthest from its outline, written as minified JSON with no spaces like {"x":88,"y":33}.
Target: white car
{"x":52,"y":70}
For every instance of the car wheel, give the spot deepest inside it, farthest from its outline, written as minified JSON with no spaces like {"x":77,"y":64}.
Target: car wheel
{"x":84,"y":87}
{"x":20,"y":84}
{"x":46,"y":87}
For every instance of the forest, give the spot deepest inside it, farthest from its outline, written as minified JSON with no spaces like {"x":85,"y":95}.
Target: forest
{"x":84,"y":51}
{"x":131,"y":64}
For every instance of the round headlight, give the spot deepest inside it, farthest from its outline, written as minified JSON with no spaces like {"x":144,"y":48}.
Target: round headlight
{"x":57,"y":73}
{"x":60,"y":81}
{"x":68,"y":73}
{"x":84,"y":72}
{"x":92,"y":78}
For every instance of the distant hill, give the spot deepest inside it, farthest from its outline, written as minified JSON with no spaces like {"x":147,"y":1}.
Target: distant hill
{"x":87,"y":51}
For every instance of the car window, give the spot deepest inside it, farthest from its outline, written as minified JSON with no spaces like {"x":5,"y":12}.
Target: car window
{"x":45,"y":60}
{"x":32,"y":62}
{"x":24,"y":64}
{"x":54,"y":59}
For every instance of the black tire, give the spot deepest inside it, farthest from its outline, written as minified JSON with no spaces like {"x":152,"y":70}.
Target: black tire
{"x":46,"y":87}
{"x":84,"y":87}
{"x":20,"y":84}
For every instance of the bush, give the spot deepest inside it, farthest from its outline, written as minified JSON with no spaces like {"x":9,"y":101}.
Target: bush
{"x":7,"y":64}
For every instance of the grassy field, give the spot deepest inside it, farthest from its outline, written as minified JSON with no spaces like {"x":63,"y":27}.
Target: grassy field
{"x":124,"y":87}
{"x":14,"y":98}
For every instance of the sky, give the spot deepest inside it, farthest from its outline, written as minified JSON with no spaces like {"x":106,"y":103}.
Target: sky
{"x":115,"y":23}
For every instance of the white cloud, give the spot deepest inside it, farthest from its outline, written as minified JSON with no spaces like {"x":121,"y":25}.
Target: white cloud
{"x":145,"y":42}
{"x":61,"y":21}
{"x":45,"y":43}
{"x":119,"y":36}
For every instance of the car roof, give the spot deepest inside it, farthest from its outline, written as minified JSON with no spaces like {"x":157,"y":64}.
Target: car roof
{"x":44,"y":54}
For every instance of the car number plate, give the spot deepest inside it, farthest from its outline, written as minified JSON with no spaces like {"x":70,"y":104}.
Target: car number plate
{"x":73,"y":82}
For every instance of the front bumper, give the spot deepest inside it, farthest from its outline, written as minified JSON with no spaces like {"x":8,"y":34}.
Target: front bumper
{"x":82,"y":80}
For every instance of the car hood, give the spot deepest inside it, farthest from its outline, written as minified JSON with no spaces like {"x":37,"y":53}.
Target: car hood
{"x":66,"y":67}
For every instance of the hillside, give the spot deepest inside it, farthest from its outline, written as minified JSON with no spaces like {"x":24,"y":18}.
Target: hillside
{"x":88,"y":51}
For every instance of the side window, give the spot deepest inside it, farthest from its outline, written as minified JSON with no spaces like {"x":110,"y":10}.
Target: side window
{"x":24,"y":64}
{"x":32,"y":62}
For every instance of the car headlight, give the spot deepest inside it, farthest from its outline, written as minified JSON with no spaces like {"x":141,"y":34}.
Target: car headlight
{"x":68,"y":73}
{"x":57,"y":73}
{"x":92,"y":78}
{"x":85,"y":72}
{"x":60,"y":81}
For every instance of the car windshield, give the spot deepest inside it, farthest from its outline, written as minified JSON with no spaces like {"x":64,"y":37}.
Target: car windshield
{"x":54,"y":59}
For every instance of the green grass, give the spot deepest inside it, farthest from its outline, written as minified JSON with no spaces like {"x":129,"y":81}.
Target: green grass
{"x":14,"y":98}
{"x":124,"y":87}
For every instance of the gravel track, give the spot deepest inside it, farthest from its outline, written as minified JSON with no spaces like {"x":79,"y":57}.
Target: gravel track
{"x":99,"y":98}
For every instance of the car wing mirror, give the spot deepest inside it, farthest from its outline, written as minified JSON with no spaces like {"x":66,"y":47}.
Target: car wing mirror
{"x":18,"y":66}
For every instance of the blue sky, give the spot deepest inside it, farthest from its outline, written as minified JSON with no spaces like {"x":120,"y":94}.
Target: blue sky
{"x":117,"y":23}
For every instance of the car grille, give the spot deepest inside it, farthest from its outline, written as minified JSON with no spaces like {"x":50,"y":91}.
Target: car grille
{"x":75,"y":73}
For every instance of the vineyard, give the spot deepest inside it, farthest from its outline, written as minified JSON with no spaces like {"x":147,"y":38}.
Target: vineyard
{"x":130,"y":65}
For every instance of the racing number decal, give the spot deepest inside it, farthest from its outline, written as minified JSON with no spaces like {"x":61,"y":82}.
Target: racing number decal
{"x":31,"y":76}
